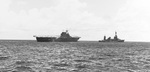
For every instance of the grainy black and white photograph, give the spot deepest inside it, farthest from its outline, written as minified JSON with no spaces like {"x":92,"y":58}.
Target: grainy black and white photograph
{"x":74,"y":35}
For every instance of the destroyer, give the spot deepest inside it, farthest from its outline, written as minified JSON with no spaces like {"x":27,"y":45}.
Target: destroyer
{"x":64,"y":37}
{"x":116,"y":39}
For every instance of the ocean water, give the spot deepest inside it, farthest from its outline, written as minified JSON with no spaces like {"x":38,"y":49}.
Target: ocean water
{"x":32,"y":56}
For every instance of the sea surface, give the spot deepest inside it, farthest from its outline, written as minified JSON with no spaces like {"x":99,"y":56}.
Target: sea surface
{"x":83,"y":56}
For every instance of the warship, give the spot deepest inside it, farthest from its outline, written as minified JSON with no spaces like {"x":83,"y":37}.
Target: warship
{"x":115,"y":39}
{"x":64,"y":37}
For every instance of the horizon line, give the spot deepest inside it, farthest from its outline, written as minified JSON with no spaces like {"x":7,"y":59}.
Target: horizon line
{"x":78,"y":41}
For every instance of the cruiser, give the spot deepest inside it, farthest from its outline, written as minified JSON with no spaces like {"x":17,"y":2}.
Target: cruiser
{"x":116,"y":39}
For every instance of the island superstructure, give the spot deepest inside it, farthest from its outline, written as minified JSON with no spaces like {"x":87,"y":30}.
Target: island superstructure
{"x":115,"y":39}
{"x":64,"y":37}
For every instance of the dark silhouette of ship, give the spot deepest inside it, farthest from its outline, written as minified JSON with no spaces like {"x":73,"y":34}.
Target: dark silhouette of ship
{"x":64,"y":37}
{"x":116,"y":39}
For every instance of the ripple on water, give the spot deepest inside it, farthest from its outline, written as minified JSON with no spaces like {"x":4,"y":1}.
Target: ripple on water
{"x":102,"y":68}
{"x":132,"y":67}
{"x":23,"y":68}
{"x":25,"y":63}
{"x":61,"y":65}
{"x":147,"y":67}
{"x":4,"y":58}
{"x":82,"y":61}
{"x":147,"y":59}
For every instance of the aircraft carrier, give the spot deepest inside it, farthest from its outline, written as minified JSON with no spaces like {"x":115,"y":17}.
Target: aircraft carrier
{"x":64,"y":37}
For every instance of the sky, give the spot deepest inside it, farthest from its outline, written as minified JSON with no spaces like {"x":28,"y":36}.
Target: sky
{"x":89,"y":19}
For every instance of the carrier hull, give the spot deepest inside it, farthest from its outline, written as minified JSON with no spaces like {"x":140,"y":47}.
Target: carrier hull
{"x":51,"y":39}
{"x":67,"y":39}
{"x":45,"y":39}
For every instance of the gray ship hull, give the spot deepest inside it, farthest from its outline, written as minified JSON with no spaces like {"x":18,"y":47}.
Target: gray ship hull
{"x":45,"y":39}
{"x":67,"y":39}
{"x":111,"y":41}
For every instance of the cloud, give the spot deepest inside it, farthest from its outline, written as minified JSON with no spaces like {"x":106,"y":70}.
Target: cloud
{"x":134,"y":19}
{"x":67,"y":14}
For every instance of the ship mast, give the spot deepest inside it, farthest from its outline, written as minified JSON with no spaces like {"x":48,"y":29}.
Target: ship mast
{"x":115,"y":33}
{"x":67,"y":31}
{"x":116,"y":38}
